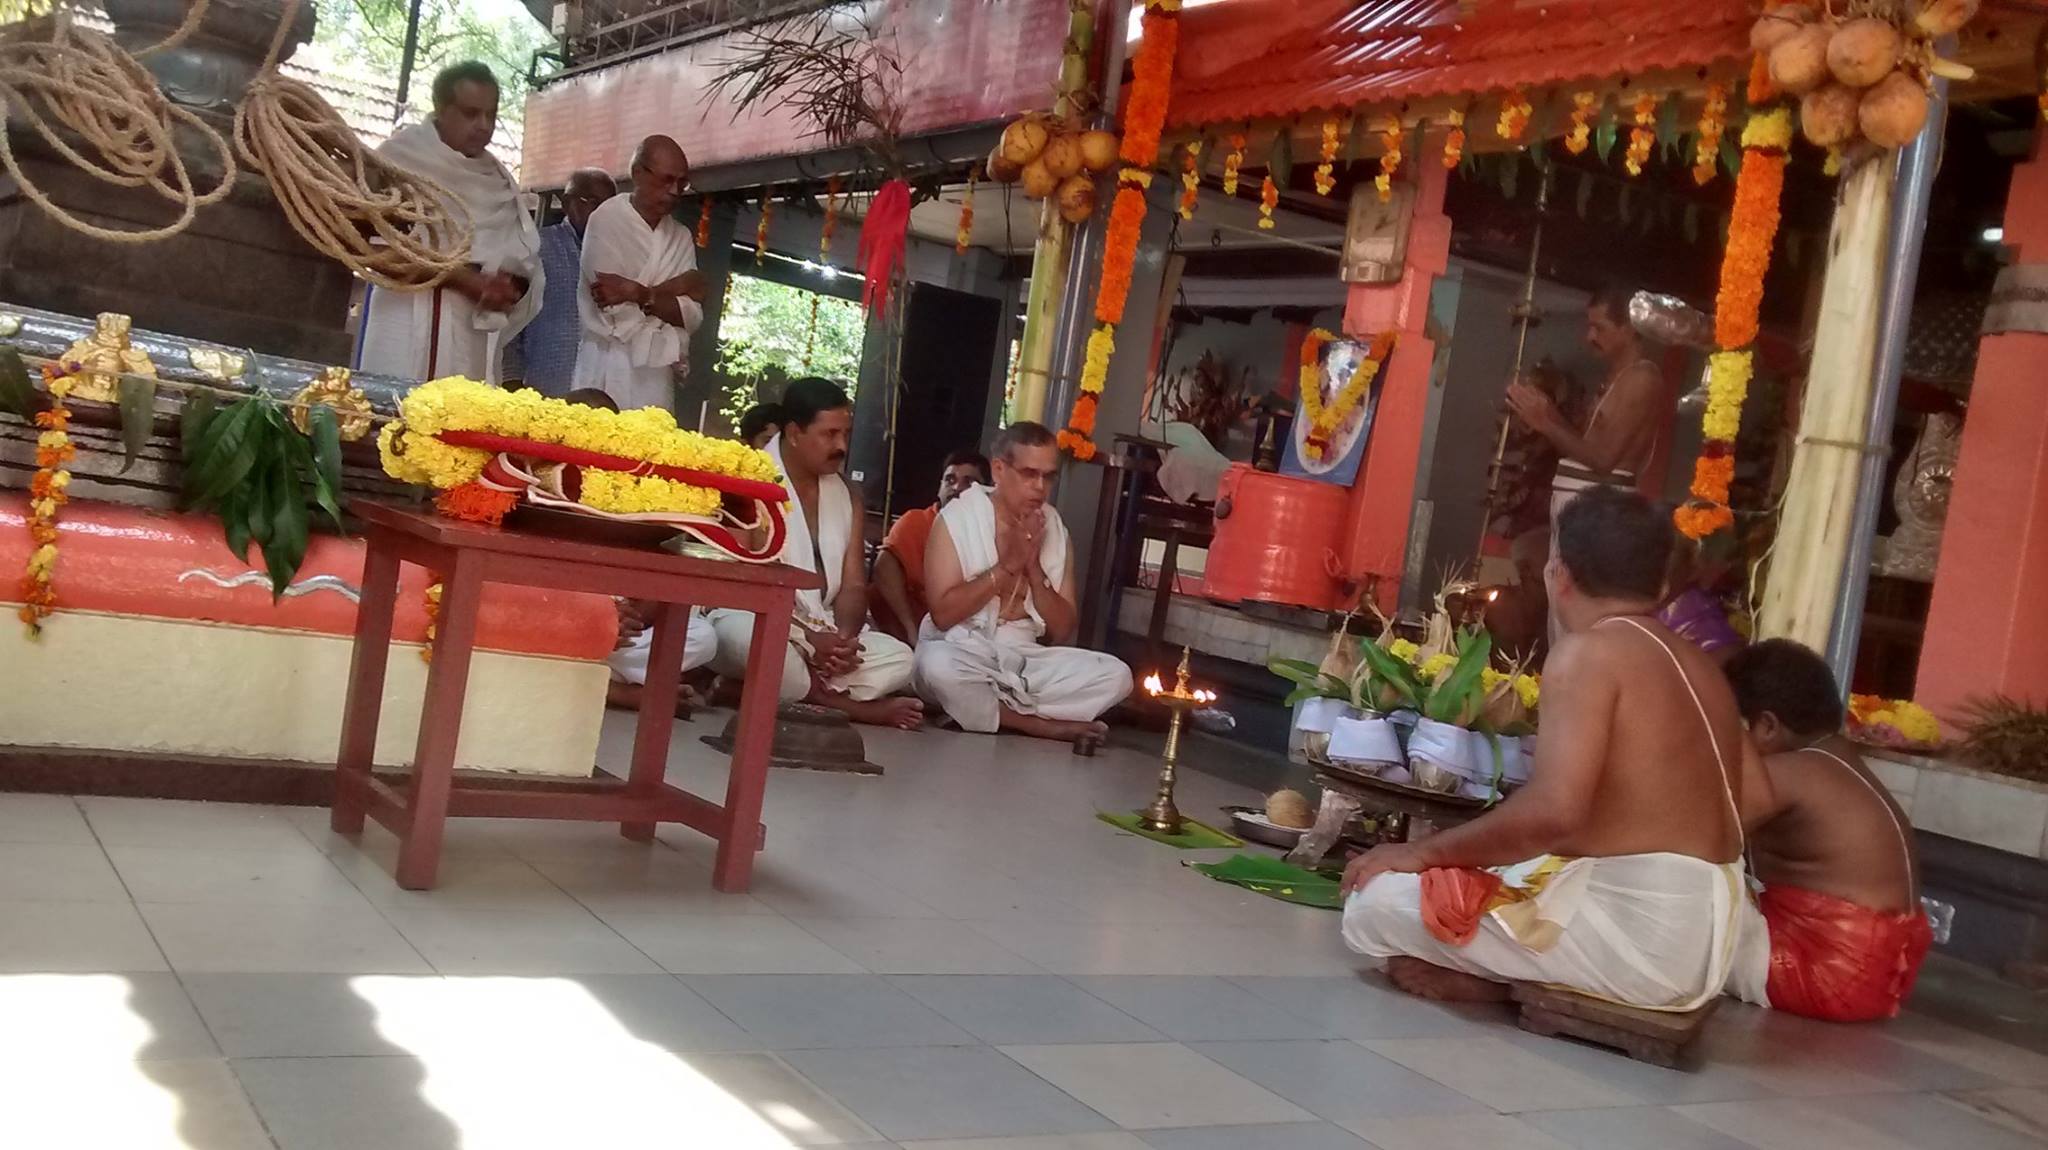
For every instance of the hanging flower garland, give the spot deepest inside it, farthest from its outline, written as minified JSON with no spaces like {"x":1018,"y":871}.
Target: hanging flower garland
{"x":1752,"y":230}
{"x":432,"y":596}
{"x":1269,"y":198}
{"x":704,"y":224}
{"x":1232,"y":161}
{"x":1706,"y":154}
{"x":831,"y":221}
{"x":1390,"y":159}
{"x":47,"y":492}
{"x":1325,"y":418}
{"x":965,"y":231}
{"x":1643,"y":134}
{"x":1190,"y":177}
{"x":811,"y":332}
{"x":1143,"y":118}
{"x":1515,"y":111}
{"x":1326,"y":168}
{"x":1454,"y":140}
{"x":1584,"y":104}
{"x":761,"y":228}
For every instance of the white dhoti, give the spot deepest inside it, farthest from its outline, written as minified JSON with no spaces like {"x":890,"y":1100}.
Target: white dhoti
{"x":971,"y":677}
{"x":700,"y":643}
{"x":884,"y":661}
{"x":1656,"y":931}
{"x":630,"y":354}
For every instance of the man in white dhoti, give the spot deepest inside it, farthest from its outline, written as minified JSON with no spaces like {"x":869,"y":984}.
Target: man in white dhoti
{"x":643,"y":295}
{"x":636,"y":645}
{"x":461,"y":326}
{"x":999,"y":577}
{"x":835,"y":659}
{"x":1617,"y":871}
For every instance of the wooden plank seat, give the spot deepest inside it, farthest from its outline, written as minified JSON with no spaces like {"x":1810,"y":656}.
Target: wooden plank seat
{"x":1657,"y":1037}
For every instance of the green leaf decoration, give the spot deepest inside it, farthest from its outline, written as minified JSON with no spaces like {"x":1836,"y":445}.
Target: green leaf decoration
{"x":1396,"y":676}
{"x":1280,"y":160}
{"x":326,"y":469}
{"x":1584,"y":199}
{"x":138,"y":416}
{"x":1297,"y":671}
{"x":288,"y":529}
{"x":1539,"y":155}
{"x":193,"y":419}
{"x":1605,"y":135}
{"x":18,"y":396}
{"x":1667,"y":122}
{"x":225,"y":456}
{"x":1457,"y":699}
{"x":1731,"y":154}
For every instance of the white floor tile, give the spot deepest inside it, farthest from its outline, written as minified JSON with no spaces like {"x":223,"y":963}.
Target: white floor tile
{"x":75,"y":937}
{"x":42,"y":819}
{"x":916,"y":946}
{"x":183,"y":1105}
{"x":1156,"y":1084}
{"x":57,"y":872}
{"x":206,"y":826}
{"x":192,"y":874}
{"x":730,"y":944}
{"x":309,"y":937}
{"x":491,"y":940}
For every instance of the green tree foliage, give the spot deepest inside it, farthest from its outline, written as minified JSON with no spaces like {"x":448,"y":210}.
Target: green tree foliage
{"x":761,"y":341}
{"x":498,"y":32}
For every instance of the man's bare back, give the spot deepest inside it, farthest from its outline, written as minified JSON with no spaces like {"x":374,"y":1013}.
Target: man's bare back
{"x":1834,"y":830}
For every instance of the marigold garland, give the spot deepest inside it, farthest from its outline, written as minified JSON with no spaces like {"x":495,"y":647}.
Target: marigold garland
{"x":432,"y":602}
{"x":1515,"y":111}
{"x":966,"y":229}
{"x":1269,"y":198}
{"x":1390,"y":160}
{"x":761,"y":228}
{"x":1325,"y":418}
{"x":1706,"y":153}
{"x":1326,"y":170}
{"x":48,"y":491}
{"x":1583,"y":106}
{"x":704,"y":224}
{"x":1643,"y":135}
{"x":1232,"y":161}
{"x":1190,"y":178}
{"x":1454,"y":140}
{"x":811,"y":332}
{"x":831,"y":220}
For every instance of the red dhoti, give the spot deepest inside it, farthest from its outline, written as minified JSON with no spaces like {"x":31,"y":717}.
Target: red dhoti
{"x":1830,"y":958}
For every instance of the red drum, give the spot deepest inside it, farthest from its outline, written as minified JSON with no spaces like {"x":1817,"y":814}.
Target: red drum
{"x":1276,"y":540}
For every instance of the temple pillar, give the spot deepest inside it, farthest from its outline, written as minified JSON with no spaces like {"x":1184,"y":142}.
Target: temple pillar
{"x":1987,"y":626}
{"x":1377,"y":521}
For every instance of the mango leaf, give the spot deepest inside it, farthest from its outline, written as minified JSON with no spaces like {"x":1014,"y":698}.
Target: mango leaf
{"x":1354,"y":144}
{"x":326,"y":461}
{"x":1667,"y":122}
{"x":1299,"y":671}
{"x":1604,"y":136}
{"x":287,"y":546}
{"x":193,"y":419}
{"x":1280,"y":160}
{"x":17,"y":395}
{"x":234,"y":517}
{"x":226,"y":454}
{"x":1449,"y":700}
{"x":138,"y":416}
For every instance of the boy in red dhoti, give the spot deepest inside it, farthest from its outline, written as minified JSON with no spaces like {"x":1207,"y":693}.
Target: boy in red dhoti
{"x":1840,"y":934}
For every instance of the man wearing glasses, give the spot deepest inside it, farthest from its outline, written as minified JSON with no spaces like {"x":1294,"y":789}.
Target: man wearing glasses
{"x":641,"y":294}
{"x":543,"y":355}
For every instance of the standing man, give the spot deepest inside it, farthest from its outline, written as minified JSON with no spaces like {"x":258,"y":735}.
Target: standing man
{"x":1614,"y":448}
{"x":899,"y":570}
{"x":460,"y":326}
{"x":644,"y":294}
{"x":835,"y":660}
{"x":999,"y":573}
{"x":543,"y":356}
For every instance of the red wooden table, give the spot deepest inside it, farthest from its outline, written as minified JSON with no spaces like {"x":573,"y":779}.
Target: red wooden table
{"x":467,"y":556}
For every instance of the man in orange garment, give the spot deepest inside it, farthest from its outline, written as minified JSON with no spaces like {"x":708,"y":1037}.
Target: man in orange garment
{"x":899,"y":570}
{"x":1841,"y":934}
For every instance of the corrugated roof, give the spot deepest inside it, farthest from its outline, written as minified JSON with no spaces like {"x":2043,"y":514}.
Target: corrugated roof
{"x":1386,"y":52}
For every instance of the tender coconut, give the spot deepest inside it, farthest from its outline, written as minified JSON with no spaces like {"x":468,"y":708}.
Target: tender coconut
{"x":1862,"y":52}
{"x":1098,"y":150}
{"x":1076,"y":196}
{"x":1062,"y":156}
{"x":1025,"y":139}
{"x":999,"y":167}
{"x":1892,"y":113}
{"x":1290,"y":809}
{"x":1828,"y":116}
{"x":1774,"y":26}
{"x":1799,"y":63}
{"x":1038,"y":180}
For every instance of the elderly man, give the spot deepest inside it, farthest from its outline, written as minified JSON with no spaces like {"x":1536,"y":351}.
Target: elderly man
{"x":1617,"y":871}
{"x":1839,"y":934}
{"x":899,"y":569}
{"x":543,"y":356}
{"x":644,"y":295}
{"x":835,"y":659}
{"x":461,"y":326}
{"x":999,"y":578}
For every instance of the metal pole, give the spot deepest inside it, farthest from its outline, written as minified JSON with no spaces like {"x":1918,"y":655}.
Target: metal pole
{"x":1912,"y":184}
{"x":412,"y":47}
{"x":1525,"y":315}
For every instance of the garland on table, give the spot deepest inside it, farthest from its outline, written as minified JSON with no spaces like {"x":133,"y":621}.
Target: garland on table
{"x":961,"y":234}
{"x":1232,"y":161}
{"x":1706,"y":153}
{"x":1144,"y":117}
{"x":1643,"y":135}
{"x":1454,"y":140}
{"x":47,"y":492}
{"x":1752,"y":229}
{"x":704,"y":224}
{"x":1325,"y":418}
{"x":1326,"y":168}
{"x":1584,"y":104}
{"x":1190,"y":177}
{"x":1390,"y":159}
{"x":1515,"y":111}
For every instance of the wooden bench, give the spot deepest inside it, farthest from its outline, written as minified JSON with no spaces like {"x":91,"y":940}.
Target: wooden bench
{"x":1657,"y":1037}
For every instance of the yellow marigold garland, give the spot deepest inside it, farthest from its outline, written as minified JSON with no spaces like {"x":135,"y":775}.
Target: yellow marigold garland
{"x":1583,"y":106}
{"x":1325,"y":418}
{"x":1454,"y":140}
{"x":1706,"y":153}
{"x":1643,"y":135}
{"x":1515,"y":111}
{"x":1326,"y":169}
{"x":1390,"y":160}
{"x":1269,"y":198}
{"x":1232,"y":161}
{"x":1190,"y":177}
{"x":47,"y":493}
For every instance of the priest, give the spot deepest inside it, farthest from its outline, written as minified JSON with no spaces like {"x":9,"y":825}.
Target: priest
{"x":642,"y":293}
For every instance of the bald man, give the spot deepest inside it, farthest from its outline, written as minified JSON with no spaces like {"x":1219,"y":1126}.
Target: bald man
{"x":643,"y":295}
{"x":543,"y":355}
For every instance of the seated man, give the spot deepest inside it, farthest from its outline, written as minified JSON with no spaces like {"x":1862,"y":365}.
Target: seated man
{"x":899,"y":569}
{"x":999,"y":576}
{"x":759,"y":424}
{"x":835,"y":659}
{"x":636,"y":645}
{"x":1617,"y":871}
{"x":1841,"y":934}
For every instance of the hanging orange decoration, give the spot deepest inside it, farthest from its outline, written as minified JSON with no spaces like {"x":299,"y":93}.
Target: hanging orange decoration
{"x":1390,"y":159}
{"x":1190,"y":178}
{"x":1454,"y":140}
{"x":1326,"y":169}
{"x":48,"y":491}
{"x":1643,"y":135}
{"x":965,"y":231}
{"x":1143,"y":118}
{"x":1583,"y":106}
{"x":811,"y":331}
{"x":1706,"y":154}
{"x":831,"y":221}
{"x":1269,"y":198}
{"x":1515,"y":111}
{"x":704,"y":224}
{"x":761,"y":228}
{"x":1232,"y":161}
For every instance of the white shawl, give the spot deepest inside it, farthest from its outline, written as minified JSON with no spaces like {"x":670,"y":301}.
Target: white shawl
{"x":835,"y":533}
{"x":504,"y":239}
{"x":970,"y":522}
{"x":626,"y":351}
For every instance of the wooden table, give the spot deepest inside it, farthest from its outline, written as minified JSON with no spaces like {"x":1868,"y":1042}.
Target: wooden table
{"x":467,"y":556}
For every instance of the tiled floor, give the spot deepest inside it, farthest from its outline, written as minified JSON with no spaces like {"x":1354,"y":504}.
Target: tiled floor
{"x":956,"y":956}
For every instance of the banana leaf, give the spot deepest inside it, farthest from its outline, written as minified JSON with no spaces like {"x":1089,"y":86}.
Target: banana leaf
{"x":1277,"y":879}
{"x":1449,"y":700}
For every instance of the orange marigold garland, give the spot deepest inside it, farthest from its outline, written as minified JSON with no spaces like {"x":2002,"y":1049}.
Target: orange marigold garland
{"x":761,"y":228}
{"x":477,"y":502}
{"x":1454,"y":140}
{"x":1706,"y":153}
{"x":704,"y":224}
{"x":1643,"y":135}
{"x":1515,"y":111}
{"x":1143,"y":118}
{"x":1326,"y":168}
{"x":831,"y":220}
{"x":1190,"y":178}
{"x":47,"y":492}
{"x":1390,"y":159}
{"x":965,"y":231}
{"x":1584,"y":104}
{"x":1232,"y":161}
{"x":1269,"y":198}
{"x":432,"y":596}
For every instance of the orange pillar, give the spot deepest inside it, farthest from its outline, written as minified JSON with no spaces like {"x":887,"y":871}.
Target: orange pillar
{"x":1987,"y":628}
{"x":1376,"y":522}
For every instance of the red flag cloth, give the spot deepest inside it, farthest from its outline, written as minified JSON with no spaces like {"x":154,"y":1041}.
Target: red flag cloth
{"x":1832,"y":959}
{"x":1454,"y":899}
{"x":883,"y":233}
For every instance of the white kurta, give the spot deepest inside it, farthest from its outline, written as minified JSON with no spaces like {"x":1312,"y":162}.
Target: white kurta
{"x":975,"y":668}
{"x":440,"y":332}
{"x":630,"y":354}
{"x":885,"y":660}
{"x":629,"y":663}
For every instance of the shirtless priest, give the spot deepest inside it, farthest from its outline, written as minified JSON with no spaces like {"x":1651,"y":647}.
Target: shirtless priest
{"x":1617,"y":871}
{"x":835,"y":659}
{"x":1840,"y":934}
{"x":999,"y":576}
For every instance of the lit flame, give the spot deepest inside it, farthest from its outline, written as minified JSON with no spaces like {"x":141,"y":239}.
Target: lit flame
{"x":1493,"y":595}
{"x":1152,"y":684}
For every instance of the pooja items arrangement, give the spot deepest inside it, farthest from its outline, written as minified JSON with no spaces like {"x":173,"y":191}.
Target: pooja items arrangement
{"x":488,"y":451}
{"x":1896,"y":723}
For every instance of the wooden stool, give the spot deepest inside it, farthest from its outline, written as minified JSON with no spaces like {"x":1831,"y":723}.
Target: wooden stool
{"x":1653,"y":1036}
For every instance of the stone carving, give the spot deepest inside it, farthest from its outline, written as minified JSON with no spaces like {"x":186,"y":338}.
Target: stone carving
{"x":1921,"y":495}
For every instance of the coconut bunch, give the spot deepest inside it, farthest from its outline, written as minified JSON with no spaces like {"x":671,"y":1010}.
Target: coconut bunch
{"x":1863,"y":76}
{"x":1049,"y":158}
